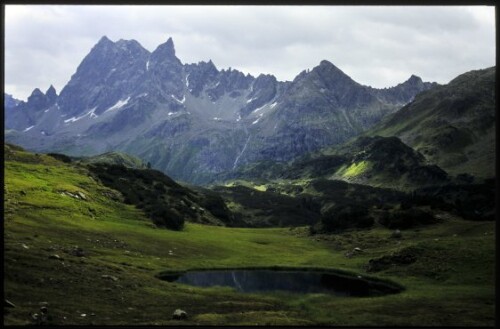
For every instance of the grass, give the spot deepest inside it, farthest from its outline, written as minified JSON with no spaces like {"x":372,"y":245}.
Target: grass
{"x":355,"y":169}
{"x":452,"y":283}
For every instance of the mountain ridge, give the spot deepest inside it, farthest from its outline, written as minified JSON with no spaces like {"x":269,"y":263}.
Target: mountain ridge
{"x":452,"y":125}
{"x":193,"y":120}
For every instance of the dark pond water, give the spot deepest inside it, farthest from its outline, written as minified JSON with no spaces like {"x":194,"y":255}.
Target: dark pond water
{"x":284,"y":280}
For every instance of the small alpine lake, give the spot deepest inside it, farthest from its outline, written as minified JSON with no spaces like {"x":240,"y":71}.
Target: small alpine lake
{"x":302,"y":281}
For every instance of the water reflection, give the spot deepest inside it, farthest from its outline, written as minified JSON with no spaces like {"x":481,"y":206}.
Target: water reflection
{"x":282,"y":280}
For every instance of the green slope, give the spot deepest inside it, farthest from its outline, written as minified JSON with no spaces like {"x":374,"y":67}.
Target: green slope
{"x":450,"y":283}
{"x":116,"y":158}
{"x":452,"y":125}
{"x":377,"y":161}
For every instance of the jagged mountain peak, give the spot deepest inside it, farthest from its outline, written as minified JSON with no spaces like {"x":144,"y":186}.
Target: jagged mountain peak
{"x":326,"y":68}
{"x":328,"y":73}
{"x":10,"y":101}
{"x":130,"y":45}
{"x":36,"y":92}
{"x":51,"y":94}
{"x":170,"y":42}
{"x":107,"y":48}
{"x":208,"y":66}
{"x":263,"y":76}
{"x":103,"y":44}
{"x":51,"y":91}
{"x":166,"y":49}
{"x":413,"y":80}
{"x":327,"y":64}
{"x":210,"y":63}
{"x":104,"y":39}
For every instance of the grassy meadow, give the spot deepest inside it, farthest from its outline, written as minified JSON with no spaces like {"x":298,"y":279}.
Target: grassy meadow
{"x":451,"y":283}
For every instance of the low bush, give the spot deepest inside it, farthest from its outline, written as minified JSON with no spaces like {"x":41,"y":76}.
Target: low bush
{"x":60,"y":157}
{"x":163,"y":216}
{"x":339,"y":218}
{"x":149,"y":190}
{"x":407,"y":218}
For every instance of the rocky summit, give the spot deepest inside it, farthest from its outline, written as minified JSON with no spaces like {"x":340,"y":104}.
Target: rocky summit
{"x":192,"y":121}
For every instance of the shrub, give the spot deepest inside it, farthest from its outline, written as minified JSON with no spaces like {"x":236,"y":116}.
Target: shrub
{"x":407,"y":218}
{"x":159,"y":187}
{"x":60,"y":157}
{"x":147,"y":190}
{"x":216,"y":206}
{"x":169,"y":218}
{"x":343,"y":217}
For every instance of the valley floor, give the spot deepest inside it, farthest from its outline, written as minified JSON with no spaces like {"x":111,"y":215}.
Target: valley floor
{"x":108,"y":255}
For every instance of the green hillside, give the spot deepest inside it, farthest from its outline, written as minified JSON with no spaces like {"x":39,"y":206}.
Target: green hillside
{"x":452,"y":125}
{"x":116,"y":158}
{"x":377,"y":161}
{"x":73,"y":246}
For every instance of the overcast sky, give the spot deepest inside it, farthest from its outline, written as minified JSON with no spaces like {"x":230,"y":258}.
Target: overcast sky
{"x":376,"y":46}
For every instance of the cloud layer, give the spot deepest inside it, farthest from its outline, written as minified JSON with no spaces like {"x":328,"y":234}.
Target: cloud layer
{"x":378,"y":46}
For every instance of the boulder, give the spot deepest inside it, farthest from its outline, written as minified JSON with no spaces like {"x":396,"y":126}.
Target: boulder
{"x":403,"y":257}
{"x":109,"y":277}
{"x":179,"y":314}
{"x":396,"y":234}
{"x":81,"y":195}
{"x":77,"y":251}
{"x":348,"y":254}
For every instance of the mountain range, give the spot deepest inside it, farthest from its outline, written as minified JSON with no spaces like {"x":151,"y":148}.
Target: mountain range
{"x":192,"y":121}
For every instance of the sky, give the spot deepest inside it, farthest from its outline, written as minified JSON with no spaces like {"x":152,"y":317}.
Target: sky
{"x":378,"y":46}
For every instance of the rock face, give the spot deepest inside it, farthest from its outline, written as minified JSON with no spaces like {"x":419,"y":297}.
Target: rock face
{"x":193,"y":120}
{"x":9,"y":102}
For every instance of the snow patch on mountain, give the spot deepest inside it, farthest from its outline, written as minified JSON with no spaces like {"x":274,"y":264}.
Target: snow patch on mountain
{"x":179,"y":100}
{"x":118,"y":105}
{"x":241,"y":153}
{"x":256,"y":121}
{"x":260,"y":108}
{"x":28,"y":129}
{"x":90,"y":113}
